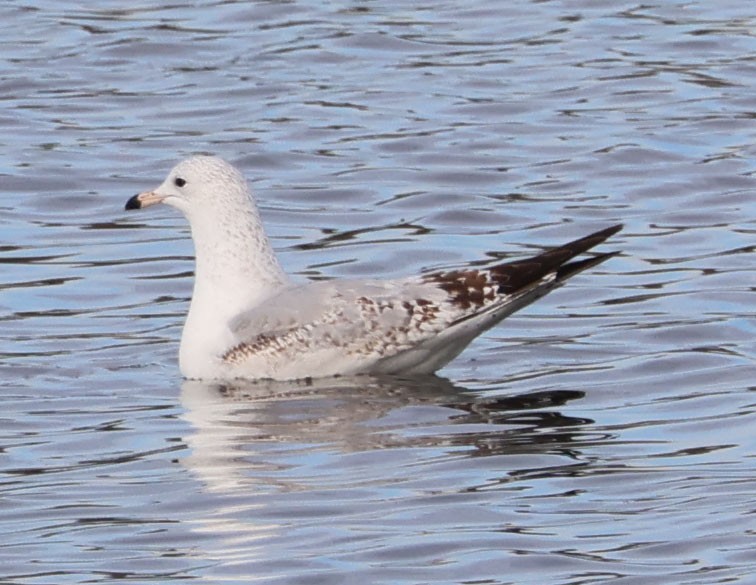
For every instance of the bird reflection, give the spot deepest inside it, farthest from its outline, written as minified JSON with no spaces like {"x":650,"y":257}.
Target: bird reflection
{"x":287,"y":462}
{"x":242,"y":429}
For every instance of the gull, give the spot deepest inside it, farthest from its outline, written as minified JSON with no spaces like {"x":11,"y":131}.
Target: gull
{"x":248,"y":320}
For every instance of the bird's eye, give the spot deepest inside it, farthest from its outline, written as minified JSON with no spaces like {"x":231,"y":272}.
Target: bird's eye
{"x":179,"y":182}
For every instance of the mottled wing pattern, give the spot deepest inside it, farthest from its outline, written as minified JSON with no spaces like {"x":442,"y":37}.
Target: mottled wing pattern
{"x":354,"y":324}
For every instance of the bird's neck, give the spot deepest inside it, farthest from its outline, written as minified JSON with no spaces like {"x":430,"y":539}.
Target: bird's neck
{"x":235,"y":269}
{"x":235,"y":261}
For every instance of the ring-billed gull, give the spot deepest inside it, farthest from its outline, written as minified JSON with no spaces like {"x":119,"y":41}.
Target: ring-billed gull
{"x":248,"y":320}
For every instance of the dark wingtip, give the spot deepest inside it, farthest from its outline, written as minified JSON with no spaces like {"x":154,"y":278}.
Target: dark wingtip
{"x":472,"y":289}
{"x":610,"y":231}
{"x":588,"y":242}
{"x":514,"y":276}
{"x":572,"y":268}
{"x":133,"y":203}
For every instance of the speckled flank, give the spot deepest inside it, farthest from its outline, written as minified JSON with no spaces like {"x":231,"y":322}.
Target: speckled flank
{"x":409,"y":321}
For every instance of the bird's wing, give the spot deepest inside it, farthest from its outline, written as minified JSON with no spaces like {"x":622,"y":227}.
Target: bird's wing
{"x":369,"y":321}
{"x":372,"y":319}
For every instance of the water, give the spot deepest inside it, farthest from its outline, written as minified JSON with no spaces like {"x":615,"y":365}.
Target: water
{"x":604,"y":435}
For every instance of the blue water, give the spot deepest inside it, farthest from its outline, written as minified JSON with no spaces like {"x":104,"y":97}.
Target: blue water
{"x":603,"y":435}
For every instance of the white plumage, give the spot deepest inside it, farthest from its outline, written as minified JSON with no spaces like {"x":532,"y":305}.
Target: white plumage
{"x":248,"y":320}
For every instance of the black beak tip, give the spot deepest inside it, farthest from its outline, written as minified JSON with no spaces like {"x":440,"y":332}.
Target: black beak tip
{"x":133,"y":203}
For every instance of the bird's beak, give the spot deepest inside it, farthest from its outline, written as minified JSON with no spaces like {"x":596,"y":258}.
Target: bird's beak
{"x":144,"y":200}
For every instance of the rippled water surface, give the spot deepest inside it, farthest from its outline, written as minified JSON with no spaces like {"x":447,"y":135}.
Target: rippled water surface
{"x":603,"y":435}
